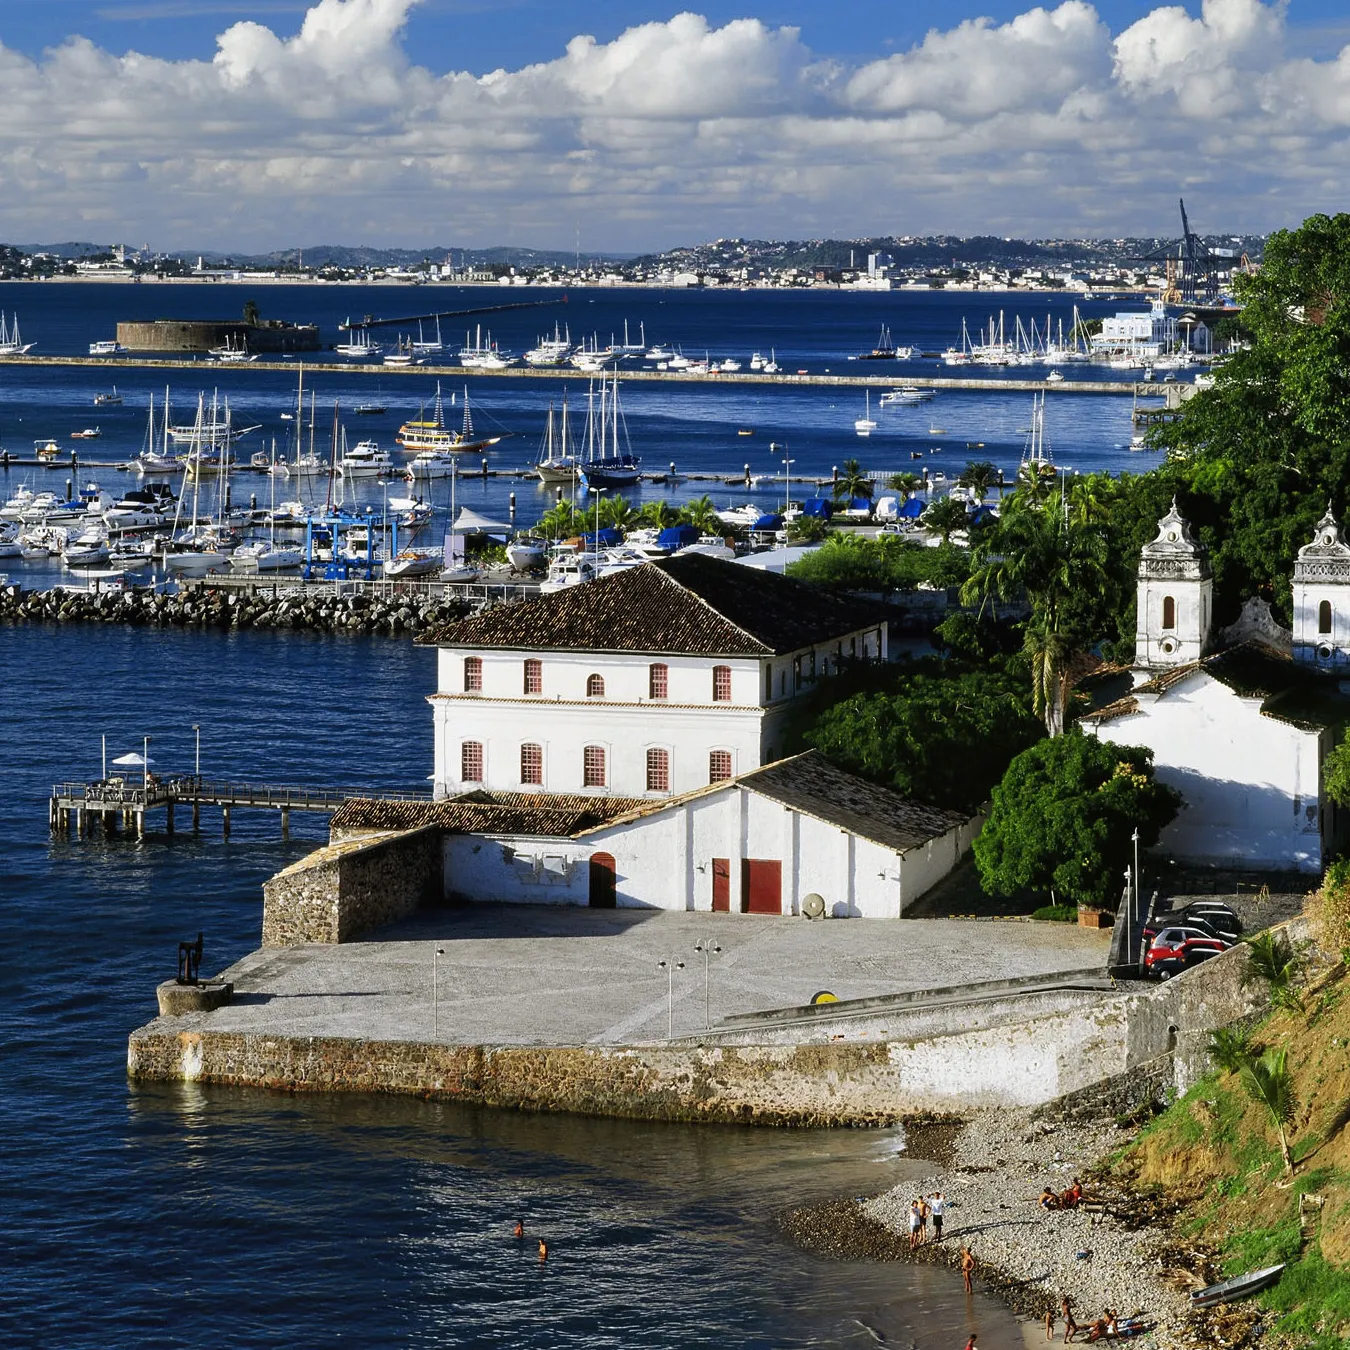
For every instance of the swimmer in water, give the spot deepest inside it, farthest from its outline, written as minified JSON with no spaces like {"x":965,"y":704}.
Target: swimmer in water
{"x":543,"y":1250}
{"x":518,"y":1230}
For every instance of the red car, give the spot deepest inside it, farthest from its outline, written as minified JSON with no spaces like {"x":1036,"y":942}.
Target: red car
{"x":1176,"y":948}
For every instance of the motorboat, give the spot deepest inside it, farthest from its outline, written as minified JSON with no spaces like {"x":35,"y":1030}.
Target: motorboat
{"x":88,"y":549}
{"x":18,"y":503}
{"x":107,"y":347}
{"x":365,"y":460}
{"x":568,"y":568}
{"x":196,"y":561}
{"x":108,"y":400}
{"x":458,"y":573}
{"x":367,"y":410}
{"x":265,"y":556}
{"x":525,"y":553}
{"x":88,"y":434}
{"x":141,"y":508}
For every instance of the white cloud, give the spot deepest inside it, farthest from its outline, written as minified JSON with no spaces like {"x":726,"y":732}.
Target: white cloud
{"x":676,"y":131}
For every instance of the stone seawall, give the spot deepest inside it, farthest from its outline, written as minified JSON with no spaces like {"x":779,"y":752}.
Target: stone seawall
{"x":800,"y":1086}
{"x":269,"y":606}
{"x":346,"y":889}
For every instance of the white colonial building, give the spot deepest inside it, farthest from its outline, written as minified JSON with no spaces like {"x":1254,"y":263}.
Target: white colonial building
{"x":651,"y":683}
{"x":1240,"y":726}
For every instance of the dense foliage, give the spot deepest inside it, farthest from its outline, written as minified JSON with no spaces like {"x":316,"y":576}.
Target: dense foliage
{"x":1063,"y":817}
{"x":886,"y":564}
{"x":939,"y":739}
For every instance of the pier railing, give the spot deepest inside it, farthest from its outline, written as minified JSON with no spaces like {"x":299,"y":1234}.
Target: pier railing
{"x":128,"y":793}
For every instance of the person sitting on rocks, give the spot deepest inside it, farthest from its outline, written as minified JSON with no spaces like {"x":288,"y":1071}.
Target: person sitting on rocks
{"x":1073,"y":1196}
{"x":1049,"y":1199}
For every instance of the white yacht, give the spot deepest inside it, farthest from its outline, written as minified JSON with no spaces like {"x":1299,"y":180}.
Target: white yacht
{"x":107,"y":347}
{"x":568,"y":568}
{"x":365,"y":460}
{"x":265,"y":556}
{"x":550,"y":351}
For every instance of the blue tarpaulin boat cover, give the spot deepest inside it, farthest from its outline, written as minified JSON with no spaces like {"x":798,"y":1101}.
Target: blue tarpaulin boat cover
{"x":860,"y":504}
{"x":677,"y":536}
{"x":911,"y":510}
{"x":821,"y":507}
{"x":609,"y":537}
{"x":768,"y":522}
{"x":984,"y":515}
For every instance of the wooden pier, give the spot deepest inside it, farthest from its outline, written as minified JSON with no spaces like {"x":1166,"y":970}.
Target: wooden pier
{"x":122,"y":803}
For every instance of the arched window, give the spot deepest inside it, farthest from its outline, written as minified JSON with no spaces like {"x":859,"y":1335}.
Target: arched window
{"x":593,"y":766}
{"x":595,"y":686}
{"x":1169,"y":612}
{"x":658,"y":680}
{"x":658,"y":770}
{"x":721,"y":684}
{"x":532,"y":764}
{"x":473,"y":674}
{"x":471,"y":761}
{"x":534,"y":676}
{"x":1324,"y":617}
{"x":719,"y":766}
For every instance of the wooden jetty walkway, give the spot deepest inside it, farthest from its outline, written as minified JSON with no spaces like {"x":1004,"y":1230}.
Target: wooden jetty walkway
{"x":860,"y":380}
{"x":123,"y":802}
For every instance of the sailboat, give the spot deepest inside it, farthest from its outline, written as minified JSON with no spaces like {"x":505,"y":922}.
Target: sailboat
{"x":11,"y":344}
{"x":604,"y":466}
{"x":865,"y":425}
{"x":422,"y":345}
{"x":557,"y":461}
{"x":360,"y":345}
{"x":436,"y":444}
{"x":1037,"y":461}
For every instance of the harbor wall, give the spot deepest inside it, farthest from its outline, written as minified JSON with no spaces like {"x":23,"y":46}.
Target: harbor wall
{"x":346,"y":889}
{"x":1074,"y":1050}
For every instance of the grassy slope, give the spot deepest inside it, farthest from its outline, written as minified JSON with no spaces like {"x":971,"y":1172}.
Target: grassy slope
{"x":1218,"y":1149}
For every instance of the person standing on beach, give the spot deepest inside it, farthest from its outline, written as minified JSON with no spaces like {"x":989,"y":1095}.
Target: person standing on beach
{"x":967,"y":1266}
{"x":938,"y":1204}
{"x":1070,"y":1326}
{"x":924,"y":1212}
{"x":913,"y":1224}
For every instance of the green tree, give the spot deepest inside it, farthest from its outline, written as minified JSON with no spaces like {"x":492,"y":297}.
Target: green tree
{"x":1231,"y":1048}
{"x":852,"y":482}
{"x":1270,"y":957}
{"x":940,"y":739}
{"x":944,"y":516}
{"x":979,"y":476}
{"x":659,"y":514}
{"x":808,"y":530}
{"x":616,"y":511}
{"x":905,"y":482}
{"x":1269,"y":1083}
{"x":1063,"y":817}
{"x":702,"y":514}
{"x":252,"y":315}
{"x":562,"y":521}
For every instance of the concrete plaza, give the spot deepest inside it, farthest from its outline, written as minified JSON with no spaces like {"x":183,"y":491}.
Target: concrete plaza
{"x":524,"y":975}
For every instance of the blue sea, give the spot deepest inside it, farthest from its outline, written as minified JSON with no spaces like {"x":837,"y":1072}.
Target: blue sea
{"x":696,"y":427}
{"x":162,"y":1215}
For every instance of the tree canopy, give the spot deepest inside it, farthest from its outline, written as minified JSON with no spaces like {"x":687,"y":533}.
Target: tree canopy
{"x":939,"y":739}
{"x":887,"y":563}
{"x":1063,"y":817}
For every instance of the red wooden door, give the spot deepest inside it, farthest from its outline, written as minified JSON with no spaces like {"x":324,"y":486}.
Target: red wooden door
{"x":721,"y":868}
{"x":604,"y":888}
{"x":761,"y":886}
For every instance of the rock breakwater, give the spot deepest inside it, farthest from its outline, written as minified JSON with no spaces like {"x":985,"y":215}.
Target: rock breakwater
{"x":319,"y":611}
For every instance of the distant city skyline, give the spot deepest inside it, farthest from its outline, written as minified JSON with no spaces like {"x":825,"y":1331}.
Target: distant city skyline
{"x":249,"y":125}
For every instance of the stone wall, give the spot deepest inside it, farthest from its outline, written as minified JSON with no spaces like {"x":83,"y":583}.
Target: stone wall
{"x":348,"y":888}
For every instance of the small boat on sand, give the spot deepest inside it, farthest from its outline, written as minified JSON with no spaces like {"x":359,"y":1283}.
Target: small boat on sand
{"x":1240,"y":1286}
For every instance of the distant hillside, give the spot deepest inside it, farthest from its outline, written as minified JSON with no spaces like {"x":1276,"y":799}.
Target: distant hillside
{"x":341,"y":255}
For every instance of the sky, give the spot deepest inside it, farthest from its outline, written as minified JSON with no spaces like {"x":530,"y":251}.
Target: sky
{"x":250,"y":125}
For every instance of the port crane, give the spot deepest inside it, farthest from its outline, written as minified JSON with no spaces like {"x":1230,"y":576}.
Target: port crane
{"x":1192,"y":267}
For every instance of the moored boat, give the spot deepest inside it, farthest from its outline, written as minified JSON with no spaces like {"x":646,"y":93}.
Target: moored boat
{"x":1240,"y":1286}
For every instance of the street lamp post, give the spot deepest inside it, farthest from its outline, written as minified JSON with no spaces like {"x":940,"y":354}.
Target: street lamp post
{"x":1138,"y":896}
{"x":197,"y":768}
{"x":707,"y":946}
{"x":435,"y":988}
{"x":670,"y":967}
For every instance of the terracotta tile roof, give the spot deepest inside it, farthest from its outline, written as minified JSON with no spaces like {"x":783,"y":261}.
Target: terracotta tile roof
{"x":1122,"y":707}
{"x":688,"y":605}
{"x":554,"y":815}
{"x":811,"y":784}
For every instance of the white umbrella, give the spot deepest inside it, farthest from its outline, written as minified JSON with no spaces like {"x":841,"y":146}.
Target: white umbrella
{"x":132,"y":761}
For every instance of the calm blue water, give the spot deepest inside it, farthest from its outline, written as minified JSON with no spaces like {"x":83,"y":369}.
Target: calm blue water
{"x":694,"y":426}
{"x":184,"y":1216}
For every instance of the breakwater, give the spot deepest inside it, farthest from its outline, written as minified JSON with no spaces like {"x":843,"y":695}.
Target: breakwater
{"x":392,"y":615}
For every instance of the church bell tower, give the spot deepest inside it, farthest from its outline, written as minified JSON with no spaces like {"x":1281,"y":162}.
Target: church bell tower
{"x":1322,"y":599}
{"x":1175,"y":597}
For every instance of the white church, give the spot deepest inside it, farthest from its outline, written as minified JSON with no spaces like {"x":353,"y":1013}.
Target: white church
{"x":1239,"y":722}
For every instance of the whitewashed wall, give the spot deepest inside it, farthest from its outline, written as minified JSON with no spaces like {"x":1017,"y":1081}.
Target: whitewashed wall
{"x":1251,"y":783}
{"x":664,"y":860}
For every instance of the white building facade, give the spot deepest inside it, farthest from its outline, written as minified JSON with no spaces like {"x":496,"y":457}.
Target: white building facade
{"x":1175,"y":598}
{"x":648,"y":684}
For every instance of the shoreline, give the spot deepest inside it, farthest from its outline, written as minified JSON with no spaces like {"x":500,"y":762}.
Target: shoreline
{"x":991,"y":1171}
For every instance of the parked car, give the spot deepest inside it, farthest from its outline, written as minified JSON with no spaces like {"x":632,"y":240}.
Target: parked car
{"x":1178,"y":947}
{"x":1215,"y":918}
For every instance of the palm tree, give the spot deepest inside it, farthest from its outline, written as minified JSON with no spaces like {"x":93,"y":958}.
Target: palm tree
{"x":562,"y":521}
{"x":1269,"y":1083}
{"x":659,"y":514}
{"x":944,"y":517}
{"x":1049,"y":654}
{"x":852,"y":481}
{"x":702,"y":514}
{"x":904,"y":482}
{"x":979,"y":477}
{"x":619,"y":512}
